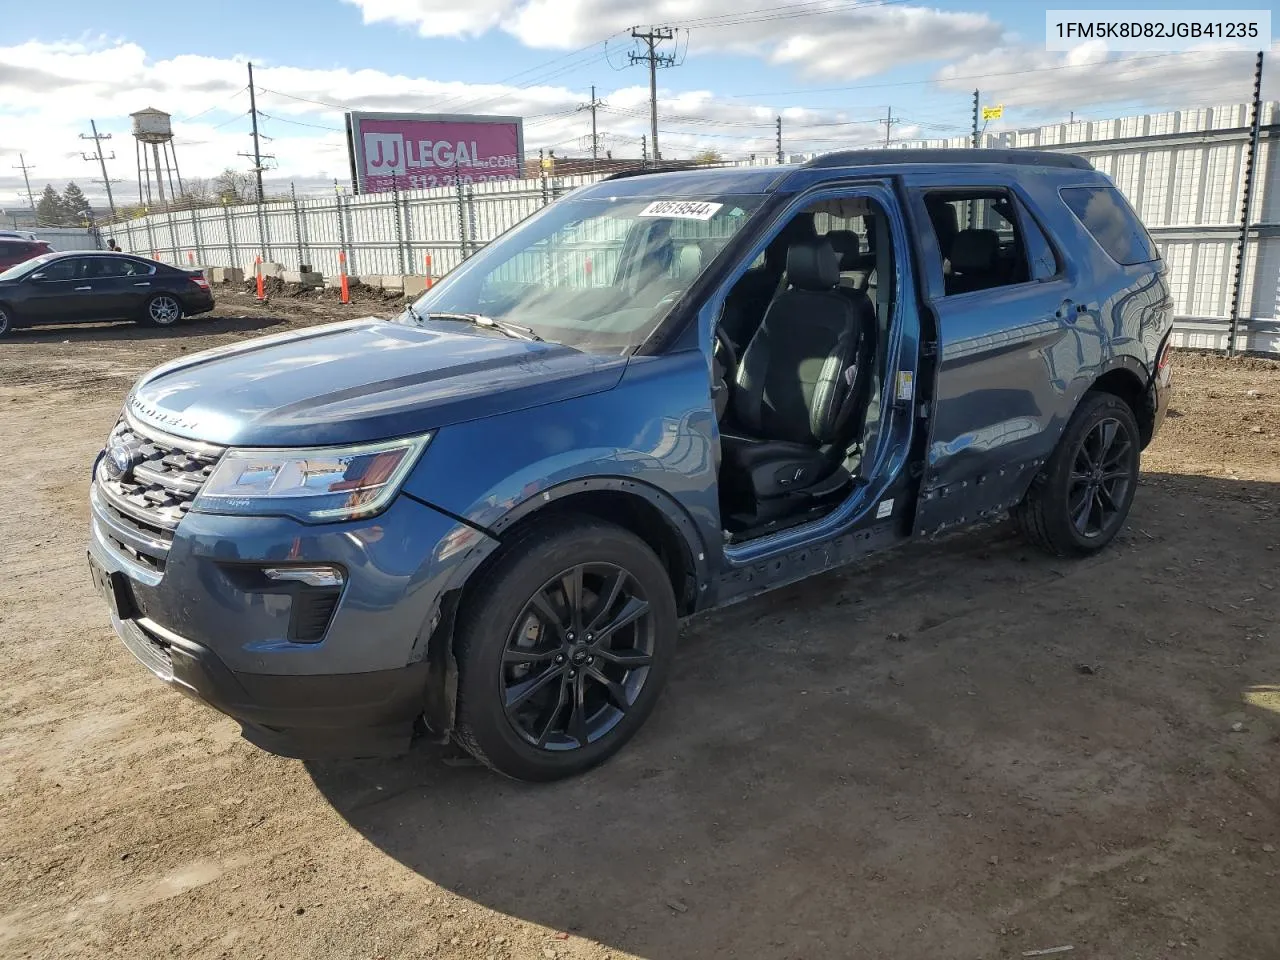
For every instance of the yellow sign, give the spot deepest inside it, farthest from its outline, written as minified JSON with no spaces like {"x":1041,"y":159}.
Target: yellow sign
{"x":993,"y":113}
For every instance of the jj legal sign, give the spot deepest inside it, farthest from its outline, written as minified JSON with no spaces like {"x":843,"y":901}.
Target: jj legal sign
{"x":414,"y":150}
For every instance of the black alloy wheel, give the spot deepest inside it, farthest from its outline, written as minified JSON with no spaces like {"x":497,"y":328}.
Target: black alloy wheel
{"x":6,"y":320}
{"x":563,"y":643}
{"x":577,"y":657}
{"x":1082,"y":495}
{"x":1100,"y":479}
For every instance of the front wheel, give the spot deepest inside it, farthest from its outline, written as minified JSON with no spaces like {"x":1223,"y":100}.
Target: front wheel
{"x":563,"y":649}
{"x":6,"y":320}
{"x":1080,"y":499}
{"x":162,"y":310}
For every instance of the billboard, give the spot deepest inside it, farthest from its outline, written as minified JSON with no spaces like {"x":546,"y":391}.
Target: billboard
{"x":411,"y":151}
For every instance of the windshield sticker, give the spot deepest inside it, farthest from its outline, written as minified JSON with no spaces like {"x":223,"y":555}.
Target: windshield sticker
{"x":681,"y":209}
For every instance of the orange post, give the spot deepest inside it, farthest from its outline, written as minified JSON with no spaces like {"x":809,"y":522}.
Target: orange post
{"x":257,"y":268}
{"x":428,"y":271}
{"x":342,"y":271}
{"x":191,"y":258}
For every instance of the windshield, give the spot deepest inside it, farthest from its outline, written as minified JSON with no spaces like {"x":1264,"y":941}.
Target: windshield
{"x":26,"y":266}
{"x":597,"y":274}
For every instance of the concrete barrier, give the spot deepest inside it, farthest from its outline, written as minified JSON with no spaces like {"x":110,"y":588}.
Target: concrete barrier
{"x":392,"y":282}
{"x":306,"y":279}
{"x":269,"y":269}
{"x":225,"y":275}
{"x":335,"y":282}
{"x":415,"y":286}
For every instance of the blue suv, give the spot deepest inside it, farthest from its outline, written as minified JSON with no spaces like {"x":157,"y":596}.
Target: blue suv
{"x":484,"y":519}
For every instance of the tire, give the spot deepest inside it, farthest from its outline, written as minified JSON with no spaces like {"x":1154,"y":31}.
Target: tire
{"x":6,"y":320}
{"x":162,"y":310}
{"x":506,"y":651}
{"x":1076,"y":506}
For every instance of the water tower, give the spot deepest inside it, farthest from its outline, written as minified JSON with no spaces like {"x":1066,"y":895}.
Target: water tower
{"x":157,"y":163}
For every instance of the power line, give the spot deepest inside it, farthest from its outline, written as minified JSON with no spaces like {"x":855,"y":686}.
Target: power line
{"x":215,"y":106}
{"x":790,"y":11}
{"x":652,"y":37}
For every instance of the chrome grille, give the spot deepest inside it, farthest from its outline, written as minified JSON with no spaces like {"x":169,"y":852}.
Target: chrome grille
{"x":138,"y":511}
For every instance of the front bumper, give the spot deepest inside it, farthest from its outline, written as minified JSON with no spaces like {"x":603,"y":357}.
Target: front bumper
{"x":202,"y":625}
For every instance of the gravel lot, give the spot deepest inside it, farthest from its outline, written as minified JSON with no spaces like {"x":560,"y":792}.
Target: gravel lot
{"x":962,"y":750}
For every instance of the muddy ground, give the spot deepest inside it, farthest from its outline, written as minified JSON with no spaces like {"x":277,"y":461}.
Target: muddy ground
{"x":964,"y":750}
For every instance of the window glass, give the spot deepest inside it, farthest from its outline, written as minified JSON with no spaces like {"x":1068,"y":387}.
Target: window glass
{"x":112,"y":267}
{"x":1108,"y":217}
{"x":980,"y":241}
{"x":61,"y":269}
{"x":1044,"y":262}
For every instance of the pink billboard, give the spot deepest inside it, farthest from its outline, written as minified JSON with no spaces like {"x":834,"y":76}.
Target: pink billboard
{"x":412,"y":151}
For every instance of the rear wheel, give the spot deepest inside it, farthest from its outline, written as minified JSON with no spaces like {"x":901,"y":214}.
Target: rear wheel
{"x":162,"y":310}
{"x":1080,"y":499}
{"x":6,"y":320}
{"x":563,"y":649}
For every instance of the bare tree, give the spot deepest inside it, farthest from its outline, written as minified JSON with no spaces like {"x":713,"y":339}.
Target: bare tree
{"x":233,"y":186}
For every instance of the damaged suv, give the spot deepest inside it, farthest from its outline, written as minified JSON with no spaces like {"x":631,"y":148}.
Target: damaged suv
{"x":483,"y":520}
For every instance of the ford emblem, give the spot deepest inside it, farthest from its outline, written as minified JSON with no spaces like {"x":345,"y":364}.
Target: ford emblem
{"x":121,"y":458}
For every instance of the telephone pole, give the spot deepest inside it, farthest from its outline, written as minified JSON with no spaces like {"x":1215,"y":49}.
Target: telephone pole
{"x":257,"y":150}
{"x":888,"y":122}
{"x":24,"y":167}
{"x":975,"y":119}
{"x":593,"y":105}
{"x":778,"y":137}
{"x":652,"y":37}
{"x":97,"y":139}
{"x":644,"y":151}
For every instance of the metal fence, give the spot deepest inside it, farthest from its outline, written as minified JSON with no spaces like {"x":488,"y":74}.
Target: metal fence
{"x":383,"y":233}
{"x":1183,"y":170}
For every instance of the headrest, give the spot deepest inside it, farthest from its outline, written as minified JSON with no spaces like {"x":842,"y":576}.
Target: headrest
{"x":689,"y":263}
{"x":975,"y":250}
{"x":847,"y":246}
{"x":798,"y":228}
{"x":813,"y":265}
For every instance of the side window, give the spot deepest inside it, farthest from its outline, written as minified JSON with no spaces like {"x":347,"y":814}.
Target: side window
{"x":1044,"y":262}
{"x":1107,"y":215}
{"x":61,"y":269}
{"x":981,"y":242}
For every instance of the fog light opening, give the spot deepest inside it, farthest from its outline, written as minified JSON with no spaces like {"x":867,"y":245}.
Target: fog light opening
{"x":319,"y":575}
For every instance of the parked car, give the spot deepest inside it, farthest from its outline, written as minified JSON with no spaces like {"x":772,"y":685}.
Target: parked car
{"x":16,"y":250}
{"x":74,"y":287}
{"x":660,"y":395}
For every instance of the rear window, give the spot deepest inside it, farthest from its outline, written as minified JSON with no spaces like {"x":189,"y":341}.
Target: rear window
{"x":1107,"y":215}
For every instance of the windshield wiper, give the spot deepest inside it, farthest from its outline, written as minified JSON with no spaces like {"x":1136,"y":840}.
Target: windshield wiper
{"x":513,"y":330}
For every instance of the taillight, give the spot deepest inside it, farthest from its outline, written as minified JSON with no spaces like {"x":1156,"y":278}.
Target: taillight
{"x":1166,"y":356}
{"x":200,"y":282}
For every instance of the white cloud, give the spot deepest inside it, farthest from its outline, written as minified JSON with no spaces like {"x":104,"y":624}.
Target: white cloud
{"x":841,"y":41}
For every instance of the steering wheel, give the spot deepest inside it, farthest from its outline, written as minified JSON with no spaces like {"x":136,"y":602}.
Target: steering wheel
{"x":726,"y":358}
{"x":729,"y":360}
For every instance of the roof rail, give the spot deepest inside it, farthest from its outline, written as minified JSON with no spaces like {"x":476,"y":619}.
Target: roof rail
{"x":868,"y":158}
{"x":675,"y":167}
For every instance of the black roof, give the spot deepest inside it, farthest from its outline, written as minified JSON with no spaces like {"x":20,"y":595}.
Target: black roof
{"x":870,"y":158}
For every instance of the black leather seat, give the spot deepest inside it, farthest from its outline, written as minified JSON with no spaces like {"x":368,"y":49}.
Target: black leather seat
{"x":974,"y":261}
{"x":801,"y":389}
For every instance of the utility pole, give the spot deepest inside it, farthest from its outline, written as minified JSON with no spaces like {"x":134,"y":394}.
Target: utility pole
{"x":975,"y":119}
{"x":652,"y":38}
{"x":592,"y":106}
{"x":24,"y":167}
{"x":257,"y":151}
{"x":778,"y":137}
{"x":97,"y":139}
{"x":888,"y":122}
{"x":1250,"y":165}
{"x":644,"y":151}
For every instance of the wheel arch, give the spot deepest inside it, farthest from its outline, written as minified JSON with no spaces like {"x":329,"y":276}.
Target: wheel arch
{"x":1129,"y":382}
{"x":643,"y":510}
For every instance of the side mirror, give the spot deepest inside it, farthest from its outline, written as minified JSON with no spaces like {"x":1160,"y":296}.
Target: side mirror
{"x":36,"y":276}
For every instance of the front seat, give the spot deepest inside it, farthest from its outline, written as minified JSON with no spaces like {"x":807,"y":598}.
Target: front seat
{"x":800,"y":383}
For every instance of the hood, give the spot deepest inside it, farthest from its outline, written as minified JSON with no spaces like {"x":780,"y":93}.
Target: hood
{"x":358,"y":381}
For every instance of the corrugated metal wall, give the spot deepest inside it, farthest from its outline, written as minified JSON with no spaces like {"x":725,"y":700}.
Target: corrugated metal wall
{"x":1183,"y":171}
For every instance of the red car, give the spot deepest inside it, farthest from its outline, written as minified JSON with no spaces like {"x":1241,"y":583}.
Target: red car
{"x":13,"y":252}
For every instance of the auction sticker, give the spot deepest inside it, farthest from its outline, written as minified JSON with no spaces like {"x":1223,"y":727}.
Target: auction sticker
{"x":681,"y":209}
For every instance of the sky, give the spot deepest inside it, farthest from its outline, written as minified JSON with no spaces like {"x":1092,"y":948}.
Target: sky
{"x":834,"y":70}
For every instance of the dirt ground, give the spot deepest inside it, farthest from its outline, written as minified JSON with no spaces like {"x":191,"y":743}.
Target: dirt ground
{"x":963,"y":750}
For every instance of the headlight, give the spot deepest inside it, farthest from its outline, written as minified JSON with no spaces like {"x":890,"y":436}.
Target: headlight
{"x":324,"y":483}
